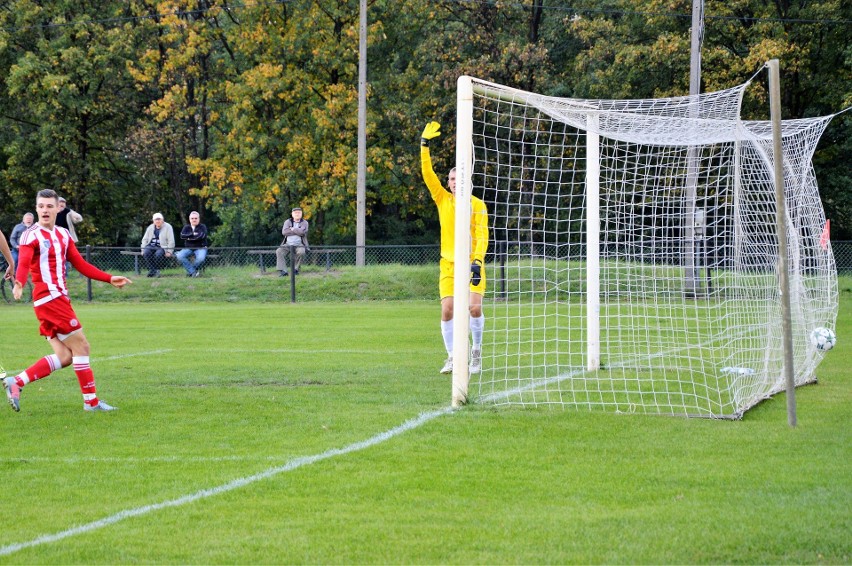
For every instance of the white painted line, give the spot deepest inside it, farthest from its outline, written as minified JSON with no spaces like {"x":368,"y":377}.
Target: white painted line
{"x":110,"y":358}
{"x":224,"y":488}
{"x":122,"y":356}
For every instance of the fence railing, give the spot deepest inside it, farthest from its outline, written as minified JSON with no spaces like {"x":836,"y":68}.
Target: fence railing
{"x":327,"y":257}
{"x":130,"y":260}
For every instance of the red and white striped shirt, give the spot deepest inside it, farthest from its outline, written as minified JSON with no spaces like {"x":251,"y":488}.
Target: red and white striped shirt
{"x":43,"y":254}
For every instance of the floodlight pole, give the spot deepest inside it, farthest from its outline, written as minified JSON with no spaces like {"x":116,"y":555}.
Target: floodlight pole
{"x":691,"y":280}
{"x":696,"y":38}
{"x":361,"y":188}
{"x":781,"y":230}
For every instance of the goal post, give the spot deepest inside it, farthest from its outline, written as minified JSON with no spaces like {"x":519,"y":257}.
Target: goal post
{"x":636,"y":252}
{"x":783,"y":247}
{"x":593,"y":261}
{"x":461,"y":281}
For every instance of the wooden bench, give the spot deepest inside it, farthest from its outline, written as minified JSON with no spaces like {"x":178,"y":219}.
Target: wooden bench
{"x":138,"y":253}
{"x":327,"y":251}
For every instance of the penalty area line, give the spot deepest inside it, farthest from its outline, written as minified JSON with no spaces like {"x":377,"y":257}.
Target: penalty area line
{"x":408,"y":425}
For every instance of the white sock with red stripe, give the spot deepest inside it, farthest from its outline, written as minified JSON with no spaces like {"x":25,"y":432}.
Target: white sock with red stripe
{"x":39,"y":370}
{"x":86,"y":378}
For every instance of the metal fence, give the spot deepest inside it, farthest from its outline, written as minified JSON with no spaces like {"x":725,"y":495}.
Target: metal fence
{"x":316,"y":258}
{"x":129,"y":260}
{"x":843,"y":256}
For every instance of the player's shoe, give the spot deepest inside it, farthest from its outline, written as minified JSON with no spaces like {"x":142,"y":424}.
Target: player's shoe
{"x":475,"y":362}
{"x":13,"y":393}
{"x":448,"y":365}
{"x":101,"y":406}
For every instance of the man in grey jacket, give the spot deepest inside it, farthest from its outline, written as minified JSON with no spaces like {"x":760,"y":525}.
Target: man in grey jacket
{"x":158,"y":243}
{"x":295,"y":232}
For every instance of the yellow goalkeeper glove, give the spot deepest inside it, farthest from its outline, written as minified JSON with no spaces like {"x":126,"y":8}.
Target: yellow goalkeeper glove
{"x":432,"y":130}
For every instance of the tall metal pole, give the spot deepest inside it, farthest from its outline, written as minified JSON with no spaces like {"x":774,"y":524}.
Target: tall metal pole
{"x":361,"y":194}
{"x":691,"y":280}
{"x":696,"y":39}
{"x":781,"y":230}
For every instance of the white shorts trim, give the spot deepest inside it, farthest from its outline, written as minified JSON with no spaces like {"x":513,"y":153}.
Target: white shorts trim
{"x":62,"y":337}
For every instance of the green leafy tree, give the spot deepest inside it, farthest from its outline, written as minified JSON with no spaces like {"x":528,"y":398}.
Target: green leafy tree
{"x":67,"y":102}
{"x":183,"y":67}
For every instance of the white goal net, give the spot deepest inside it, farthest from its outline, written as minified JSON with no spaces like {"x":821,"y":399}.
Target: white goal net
{"x":633,"y":262}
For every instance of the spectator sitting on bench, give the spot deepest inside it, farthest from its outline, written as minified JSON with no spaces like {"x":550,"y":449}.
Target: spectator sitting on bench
{"x":295,"y":232}
{"x":157,"y":243}
{"x":194,"y":236}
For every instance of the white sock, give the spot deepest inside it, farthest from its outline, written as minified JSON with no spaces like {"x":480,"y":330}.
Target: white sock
{"x":476,"y":326}
{"x":447,"y":333}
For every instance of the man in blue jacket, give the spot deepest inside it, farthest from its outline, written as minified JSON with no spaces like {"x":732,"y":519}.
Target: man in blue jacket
{"x":194,"y":236}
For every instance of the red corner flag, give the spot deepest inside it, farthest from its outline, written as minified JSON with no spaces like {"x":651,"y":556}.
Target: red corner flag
{"x":823,"y":240}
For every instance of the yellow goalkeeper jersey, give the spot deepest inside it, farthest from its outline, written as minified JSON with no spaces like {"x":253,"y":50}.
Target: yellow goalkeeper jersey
{"x":446,"y":204}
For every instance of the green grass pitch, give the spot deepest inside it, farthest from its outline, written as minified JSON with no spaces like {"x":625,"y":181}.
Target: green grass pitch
{"x":270,"y":433}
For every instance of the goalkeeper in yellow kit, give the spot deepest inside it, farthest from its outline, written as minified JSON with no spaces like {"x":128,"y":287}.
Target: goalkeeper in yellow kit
{"x":478,"y":246}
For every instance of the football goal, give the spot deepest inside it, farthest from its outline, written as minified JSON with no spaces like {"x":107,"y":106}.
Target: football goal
{"x":633,"y":262}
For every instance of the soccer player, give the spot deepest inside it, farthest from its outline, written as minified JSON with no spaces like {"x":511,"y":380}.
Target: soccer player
{"x":43,"y":252}
{"x":445,"y":201}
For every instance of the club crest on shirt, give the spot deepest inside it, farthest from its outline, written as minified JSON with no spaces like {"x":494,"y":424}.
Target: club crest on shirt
{"x":45,"y":244}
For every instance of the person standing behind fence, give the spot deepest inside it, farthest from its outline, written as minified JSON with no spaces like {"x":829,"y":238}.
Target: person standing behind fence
{"x":67,"y":218}
{"x":158,"y":243}
{"x":295,"y":232}
{"x":194,"y":236}
{"x":17,"y":231}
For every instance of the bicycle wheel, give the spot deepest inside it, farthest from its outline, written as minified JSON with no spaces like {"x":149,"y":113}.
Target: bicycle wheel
{"x":6,"y":291}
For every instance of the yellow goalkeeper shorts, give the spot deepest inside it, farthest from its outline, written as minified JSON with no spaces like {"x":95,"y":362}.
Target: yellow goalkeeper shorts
{"x":445,"y":282}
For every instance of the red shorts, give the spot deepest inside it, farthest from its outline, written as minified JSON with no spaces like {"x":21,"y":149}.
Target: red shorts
{"x":57,"y":317}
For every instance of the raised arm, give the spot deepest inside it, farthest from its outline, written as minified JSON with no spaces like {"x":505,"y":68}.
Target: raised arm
{"x":431,"y":131}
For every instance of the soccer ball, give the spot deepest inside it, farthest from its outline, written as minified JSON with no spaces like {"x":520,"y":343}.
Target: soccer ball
{"x":823,"y":338}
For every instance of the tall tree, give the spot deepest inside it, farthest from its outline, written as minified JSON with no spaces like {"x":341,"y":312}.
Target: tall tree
{"x":68,"y":100}
{"x":184,"y":68}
